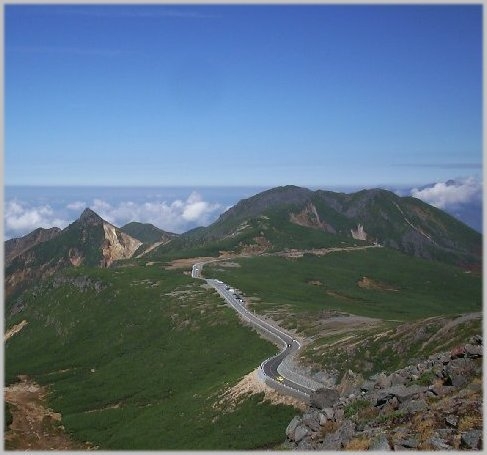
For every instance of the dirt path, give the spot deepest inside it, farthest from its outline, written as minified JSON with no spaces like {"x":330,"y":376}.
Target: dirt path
{"x":34,"y":425}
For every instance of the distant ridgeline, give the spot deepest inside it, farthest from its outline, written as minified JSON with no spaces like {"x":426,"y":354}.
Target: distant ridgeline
{"x":293,"y":217}
{"x":280,"y":218}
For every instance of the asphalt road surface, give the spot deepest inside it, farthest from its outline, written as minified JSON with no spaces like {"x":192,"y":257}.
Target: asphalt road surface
{"x":289,"y":344}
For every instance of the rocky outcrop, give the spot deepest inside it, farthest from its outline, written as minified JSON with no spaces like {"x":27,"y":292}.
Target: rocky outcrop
{"x":435,"y":404}
{"x":117,"y":245}
{"x":324,"y":398}
{"x":359,"y":233}
{"x":309,"y":217}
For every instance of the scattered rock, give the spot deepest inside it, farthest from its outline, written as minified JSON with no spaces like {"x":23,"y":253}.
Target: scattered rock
{"x":291,"y":428}
{"x":339,"y":414}
{"x":439,"y":444}
{"x":312,"y":420}
{"x":414,"y":406}
{"x":473,"y":351}
{"x":300,"y":432}
{"x":472,"y":439}
{"x":411,"y":443}
{"x":350,"y":383}
{"x":458,"y":371}
{"x":323,"y":419}
{"x":329,"y":413}
{"x":380,"y":443}
{"x":397,"y":379}
{"x":305,"y":445}
{"x":383,"y":381}
{"x":452,"y":420}
{"x":476,"y":339}
{"x":402,"y":414}
{"x":402,"y":393}
{"x":441,"y":390}
{"x":337,"y":439}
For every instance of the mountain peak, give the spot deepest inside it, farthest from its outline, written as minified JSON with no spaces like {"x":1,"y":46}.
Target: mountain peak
{"x":90,"y":217}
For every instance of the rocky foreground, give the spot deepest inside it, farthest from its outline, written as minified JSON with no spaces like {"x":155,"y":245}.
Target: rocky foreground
{"x":435,"y":404}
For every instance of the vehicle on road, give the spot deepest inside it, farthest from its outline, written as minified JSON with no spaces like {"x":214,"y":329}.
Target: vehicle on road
{"x":280,"y":378}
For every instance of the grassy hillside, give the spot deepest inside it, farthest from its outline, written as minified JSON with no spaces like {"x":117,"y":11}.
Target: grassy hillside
{"x":135,"y":358}
{"x":412,"y":288}
{"x":398,"y":304}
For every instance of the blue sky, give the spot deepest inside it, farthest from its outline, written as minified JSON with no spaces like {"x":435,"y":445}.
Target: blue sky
{"x":313,"y":95}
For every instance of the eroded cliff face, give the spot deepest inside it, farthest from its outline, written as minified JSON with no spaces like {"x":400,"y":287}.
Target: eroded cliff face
{"x":309,"y":217}
{"x":117,"y":245}
{"x":359,"y":233}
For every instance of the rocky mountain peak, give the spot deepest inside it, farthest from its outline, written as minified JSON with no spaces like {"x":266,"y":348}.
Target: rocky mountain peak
{"x":90,"y":217}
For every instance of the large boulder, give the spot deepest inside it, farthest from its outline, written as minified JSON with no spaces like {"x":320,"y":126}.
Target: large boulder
{"x":300,"y":432}
{"x":291,"y":428}
{"x":472,"y":439}
{"x":473,"y":351}
{"x":401,"y":392}
{"x":323,"y":398}
{"x":296,"y":430}
{"x":458,"y":372}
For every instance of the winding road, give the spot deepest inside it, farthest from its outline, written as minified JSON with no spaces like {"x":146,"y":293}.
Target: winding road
{"x":269,"y":367}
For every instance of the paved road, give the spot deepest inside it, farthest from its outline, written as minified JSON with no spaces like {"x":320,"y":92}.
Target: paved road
{"x":289,"y":344}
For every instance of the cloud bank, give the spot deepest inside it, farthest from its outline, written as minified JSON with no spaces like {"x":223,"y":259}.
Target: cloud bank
{"x":177,"y":216}
{"x":446,"y":195}
{"x":21,"y":218}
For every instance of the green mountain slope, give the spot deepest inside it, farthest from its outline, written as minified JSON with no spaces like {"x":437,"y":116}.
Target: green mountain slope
{"x":137,"y":358}
{"x":147,"y":233}
{"x":293,"y":217}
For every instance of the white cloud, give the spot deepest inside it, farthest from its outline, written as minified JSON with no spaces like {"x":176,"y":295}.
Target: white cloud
{"x":21,"y":218}
{"x":452,"y":193}
{"x":176,"y":216}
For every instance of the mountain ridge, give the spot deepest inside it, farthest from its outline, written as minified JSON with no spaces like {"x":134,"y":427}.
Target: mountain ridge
{"x":373,"y":215}
{"x":279,"y":218}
